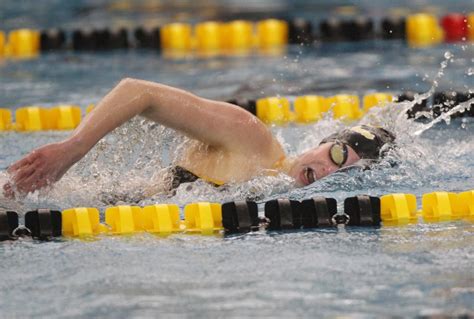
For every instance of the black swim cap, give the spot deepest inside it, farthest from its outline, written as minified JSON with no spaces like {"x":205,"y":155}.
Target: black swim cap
{"x":367,"y":141}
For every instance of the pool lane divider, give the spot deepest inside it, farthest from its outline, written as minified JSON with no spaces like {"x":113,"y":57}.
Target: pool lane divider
{"x":208,"y":218}
{"x":271,"y":110}
{"x":240,"y":37}
{"x":312,"y":108}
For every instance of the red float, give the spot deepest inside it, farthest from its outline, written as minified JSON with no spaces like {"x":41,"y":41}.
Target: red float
{"x":455,"y":27}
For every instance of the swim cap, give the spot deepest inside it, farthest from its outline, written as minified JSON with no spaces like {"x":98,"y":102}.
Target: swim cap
{"x":366,"y":140}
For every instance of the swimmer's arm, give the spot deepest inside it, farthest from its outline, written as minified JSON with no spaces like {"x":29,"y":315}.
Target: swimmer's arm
{"x":218,"y":124}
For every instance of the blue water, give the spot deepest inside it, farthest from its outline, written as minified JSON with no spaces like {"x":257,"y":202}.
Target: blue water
{"x":422,"y":269}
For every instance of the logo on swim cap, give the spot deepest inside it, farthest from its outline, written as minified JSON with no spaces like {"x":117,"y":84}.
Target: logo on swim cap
{"x":363,"y":132}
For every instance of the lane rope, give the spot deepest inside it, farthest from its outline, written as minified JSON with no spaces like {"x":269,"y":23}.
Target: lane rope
{"x":241,"y":37}
{"x":208,"y":218}
{"x":305,"y":109}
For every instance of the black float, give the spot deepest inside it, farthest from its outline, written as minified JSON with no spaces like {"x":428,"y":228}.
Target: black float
{"x":99,"y":39}
{"x":283,"y":214}
{"x":393,"y":27}
{"x":8,"y":223}
{"x":318,"y":212}
{"x":53,"y":39}
{"x":118,"y":39}
{"x":357,"y":29}
{"x":240,"y":217}
{"x":300,"y":31}
{"x":330,"y":30}
{"x":363,"y":210}
{"x":83,"y":40}
{"x":147,"y":38}
{"x":44,"y":223}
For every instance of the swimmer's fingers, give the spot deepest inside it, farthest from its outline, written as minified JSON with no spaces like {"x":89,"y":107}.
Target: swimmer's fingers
{"x":37,"y":185}
{"x":29,"y":159}
{"x":27,"y":173}
{"x":19,"y":171}
{"x":23,"y":172}
{"x":8,"y":191}
{"x":41,"y":167}
{"x":33,"y":182}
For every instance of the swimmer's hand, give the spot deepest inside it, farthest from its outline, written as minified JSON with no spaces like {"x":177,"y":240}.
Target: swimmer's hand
{"x":40,"y":168}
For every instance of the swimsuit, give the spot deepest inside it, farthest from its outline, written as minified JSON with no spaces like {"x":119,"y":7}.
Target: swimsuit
{"x":181,"y":175}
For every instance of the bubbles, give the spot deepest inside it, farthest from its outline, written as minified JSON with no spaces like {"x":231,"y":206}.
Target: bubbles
{"x":448,"y":55}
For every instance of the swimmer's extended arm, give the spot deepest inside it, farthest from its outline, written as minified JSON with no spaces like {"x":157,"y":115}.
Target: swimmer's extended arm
{"x":216,"y":123}
{"x":219,"y":124}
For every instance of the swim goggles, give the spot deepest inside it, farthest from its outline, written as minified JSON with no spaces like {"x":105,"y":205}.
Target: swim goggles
{"x":338,"y":153}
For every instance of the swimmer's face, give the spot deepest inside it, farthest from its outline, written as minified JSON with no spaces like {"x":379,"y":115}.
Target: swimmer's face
{"x":316,"y":163}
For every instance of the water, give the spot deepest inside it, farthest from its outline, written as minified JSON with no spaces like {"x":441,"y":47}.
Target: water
{"x":370,"y":273}
{"x":421,"y":269}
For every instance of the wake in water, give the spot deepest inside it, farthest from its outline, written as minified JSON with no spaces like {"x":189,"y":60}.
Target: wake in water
{"x":122,"y":167}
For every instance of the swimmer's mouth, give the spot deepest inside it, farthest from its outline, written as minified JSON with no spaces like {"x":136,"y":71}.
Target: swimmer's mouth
{"x":309,"y":175}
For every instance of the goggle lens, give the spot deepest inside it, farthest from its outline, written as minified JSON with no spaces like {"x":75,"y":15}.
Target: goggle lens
{"x":338,"y":153}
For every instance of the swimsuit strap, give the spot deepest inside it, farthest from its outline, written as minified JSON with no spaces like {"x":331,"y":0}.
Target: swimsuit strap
{"x":279,"y":163}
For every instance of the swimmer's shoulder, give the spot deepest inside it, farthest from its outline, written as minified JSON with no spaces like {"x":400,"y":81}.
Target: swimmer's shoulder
{"x":265,"y":145}
{"x":231,"y":165}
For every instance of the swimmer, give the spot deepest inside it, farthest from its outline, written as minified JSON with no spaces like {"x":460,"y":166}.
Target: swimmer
{"x":229,"y":143}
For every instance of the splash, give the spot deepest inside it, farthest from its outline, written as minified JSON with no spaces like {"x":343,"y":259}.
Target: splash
{"x":427,"y":156}
{"x":124,"y":165}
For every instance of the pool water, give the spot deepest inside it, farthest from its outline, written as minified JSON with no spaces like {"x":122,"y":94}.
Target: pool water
{"x":415,"y":270}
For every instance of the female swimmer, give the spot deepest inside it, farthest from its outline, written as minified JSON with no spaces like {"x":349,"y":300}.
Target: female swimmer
{"x":231,"y":145}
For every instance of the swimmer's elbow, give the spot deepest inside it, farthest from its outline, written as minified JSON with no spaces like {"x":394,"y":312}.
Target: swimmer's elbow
{"x":135,"y":88}
{"x":131,"y":85}
{"x":127,"y":81}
